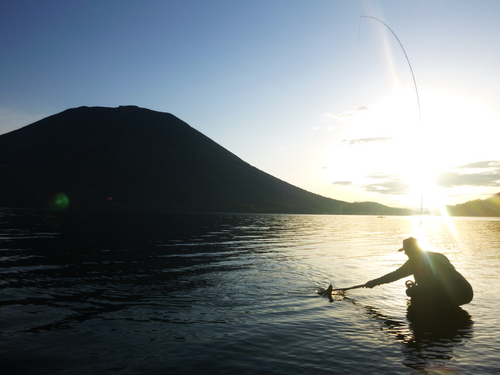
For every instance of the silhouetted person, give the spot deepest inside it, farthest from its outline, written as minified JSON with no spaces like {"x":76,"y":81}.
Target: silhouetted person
{"x":437,"y":282}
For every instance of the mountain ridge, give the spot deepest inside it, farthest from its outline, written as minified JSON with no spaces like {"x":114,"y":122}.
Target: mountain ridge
{"x":132,"y":158}
{"x":489,"y":207}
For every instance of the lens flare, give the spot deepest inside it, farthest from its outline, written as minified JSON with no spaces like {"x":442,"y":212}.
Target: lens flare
{"x":60,"y":202}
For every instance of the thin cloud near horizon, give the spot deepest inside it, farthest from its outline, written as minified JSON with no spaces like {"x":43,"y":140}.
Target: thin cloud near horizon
{"x":359,"y":141}
{"x":347,"y":114}
{"x":386,"y":184}
{"x":480,"y":173}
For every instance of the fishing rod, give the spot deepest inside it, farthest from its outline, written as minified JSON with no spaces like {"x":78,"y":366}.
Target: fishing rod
{"x":329,"y":291}
{"x":414,"y":84}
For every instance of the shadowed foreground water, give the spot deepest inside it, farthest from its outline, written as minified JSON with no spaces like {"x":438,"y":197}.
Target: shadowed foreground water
{"x":89,"y":293}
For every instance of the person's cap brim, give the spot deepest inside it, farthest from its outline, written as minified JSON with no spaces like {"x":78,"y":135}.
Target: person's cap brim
{"x":402,"y":249}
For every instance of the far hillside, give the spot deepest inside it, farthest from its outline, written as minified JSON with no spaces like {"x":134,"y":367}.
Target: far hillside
{"x":485,"y":208}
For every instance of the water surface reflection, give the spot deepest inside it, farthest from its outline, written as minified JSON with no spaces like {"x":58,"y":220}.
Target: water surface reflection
{"x":173,"y":293}
{"x":428,"y":341}
{"x":428,"y":338}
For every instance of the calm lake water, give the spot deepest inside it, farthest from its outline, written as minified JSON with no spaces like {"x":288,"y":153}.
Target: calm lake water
{"x":234,"y":294}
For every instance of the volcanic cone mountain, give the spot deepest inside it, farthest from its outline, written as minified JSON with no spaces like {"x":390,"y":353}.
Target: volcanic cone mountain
{"x":137,"y":159}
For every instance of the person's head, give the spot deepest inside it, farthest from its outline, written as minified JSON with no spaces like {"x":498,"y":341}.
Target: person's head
{"x":410,"y":246}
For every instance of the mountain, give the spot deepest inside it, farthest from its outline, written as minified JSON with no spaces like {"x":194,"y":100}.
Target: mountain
{"x":131,"y":158}
{"x":489,"y":207}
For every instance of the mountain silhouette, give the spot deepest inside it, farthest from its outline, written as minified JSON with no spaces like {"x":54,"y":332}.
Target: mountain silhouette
{"x":131,"y":158}
{"x":489,"y":207}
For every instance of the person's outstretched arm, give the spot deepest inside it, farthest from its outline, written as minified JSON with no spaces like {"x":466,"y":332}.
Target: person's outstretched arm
{"x":404,"y":271}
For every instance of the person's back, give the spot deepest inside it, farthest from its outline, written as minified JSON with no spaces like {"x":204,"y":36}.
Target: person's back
{"x":430,"y":268}
{"x":438,"y":280}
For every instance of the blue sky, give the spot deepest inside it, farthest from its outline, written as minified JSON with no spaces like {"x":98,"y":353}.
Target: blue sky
{"x":305,"y":90}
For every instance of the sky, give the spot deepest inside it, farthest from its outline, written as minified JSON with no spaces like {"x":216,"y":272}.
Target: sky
{"x":390,"y":109}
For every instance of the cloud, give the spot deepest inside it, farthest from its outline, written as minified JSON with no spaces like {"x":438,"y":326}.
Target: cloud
{"x":343,"y":183}
{"x":360,"y":141}
{"x":452,"y":179}
{"x":482,"y":164}
{"x":387,"y":184}
{"x":479,"y":173}
{"x":347,"y":114}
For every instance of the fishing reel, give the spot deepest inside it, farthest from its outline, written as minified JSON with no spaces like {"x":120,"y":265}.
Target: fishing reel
{"x":409,"y":284}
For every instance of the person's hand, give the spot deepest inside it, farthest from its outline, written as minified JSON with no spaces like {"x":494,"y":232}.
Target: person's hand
{"x":370,"y":284}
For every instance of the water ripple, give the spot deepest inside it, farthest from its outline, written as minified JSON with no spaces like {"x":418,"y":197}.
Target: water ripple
{"x":158,"y":293}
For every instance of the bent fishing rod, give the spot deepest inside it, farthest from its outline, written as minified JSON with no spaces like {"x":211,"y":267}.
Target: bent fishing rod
{"x":414,"y":84}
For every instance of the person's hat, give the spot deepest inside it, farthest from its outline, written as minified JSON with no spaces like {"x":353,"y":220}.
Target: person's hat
{"x":409,"y":243}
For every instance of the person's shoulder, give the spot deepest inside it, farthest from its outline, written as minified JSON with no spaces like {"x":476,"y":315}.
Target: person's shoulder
{"x":436,"y":255}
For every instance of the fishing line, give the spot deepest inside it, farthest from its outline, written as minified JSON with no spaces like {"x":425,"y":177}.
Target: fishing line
{"x":414,"y":84}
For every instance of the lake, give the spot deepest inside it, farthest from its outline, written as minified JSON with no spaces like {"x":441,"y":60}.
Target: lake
{"x":151,"y":293}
